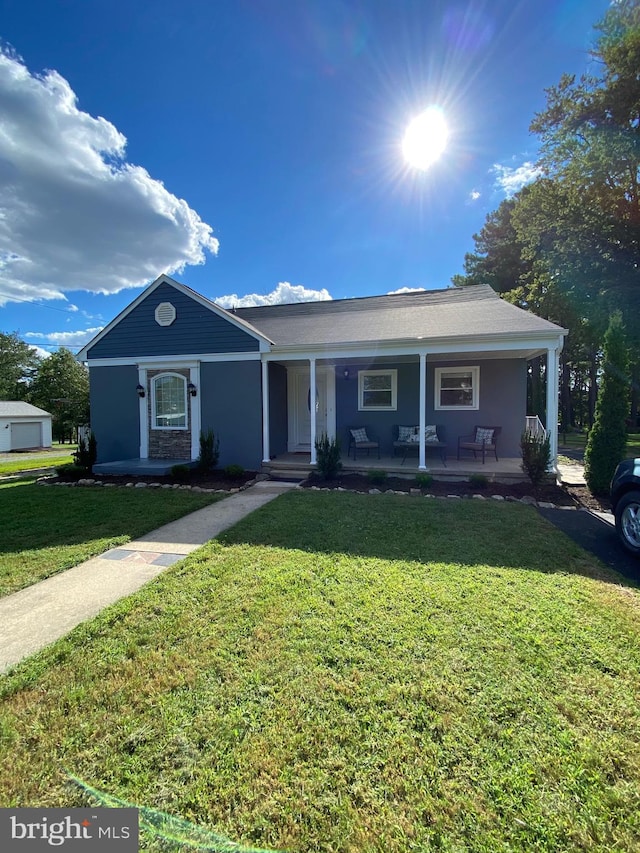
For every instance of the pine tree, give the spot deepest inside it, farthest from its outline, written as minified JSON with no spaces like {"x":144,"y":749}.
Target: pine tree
{"x":608,"y":438}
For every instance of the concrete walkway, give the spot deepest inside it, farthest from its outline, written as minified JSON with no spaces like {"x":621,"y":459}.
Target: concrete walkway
{"x":36,"y":616}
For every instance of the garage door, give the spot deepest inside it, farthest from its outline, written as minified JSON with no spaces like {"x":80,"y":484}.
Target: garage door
{"x":26,"y":435}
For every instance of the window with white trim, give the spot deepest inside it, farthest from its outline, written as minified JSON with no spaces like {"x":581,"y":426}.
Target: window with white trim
{"x":377,"y":390}
{"x":457,"y":388}
{"x":169,"y":401}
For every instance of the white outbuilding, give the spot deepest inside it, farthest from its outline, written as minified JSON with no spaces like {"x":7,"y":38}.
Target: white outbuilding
{"x":23,"y":426}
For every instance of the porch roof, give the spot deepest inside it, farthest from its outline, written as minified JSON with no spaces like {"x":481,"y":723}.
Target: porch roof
{"x":425,"y":315}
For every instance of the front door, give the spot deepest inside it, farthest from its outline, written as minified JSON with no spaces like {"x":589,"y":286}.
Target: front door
{"x":302,"y":408}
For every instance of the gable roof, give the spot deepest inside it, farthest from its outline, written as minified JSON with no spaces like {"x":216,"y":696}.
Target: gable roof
{"x":19,"y":409}
{"x":82,"y":355}
{"x":425,"y":315}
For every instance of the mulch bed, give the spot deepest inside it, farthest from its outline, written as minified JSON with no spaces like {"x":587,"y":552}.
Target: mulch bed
{"x":576,"y":496}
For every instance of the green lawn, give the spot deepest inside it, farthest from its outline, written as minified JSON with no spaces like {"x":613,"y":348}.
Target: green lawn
{"x":50,"y":460}
{"x":353,"y":673}
{"x":578,"y":440}
{"x":46,"y":529}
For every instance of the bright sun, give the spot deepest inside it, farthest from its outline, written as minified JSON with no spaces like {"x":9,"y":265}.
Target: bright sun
{"x":425,"y":138}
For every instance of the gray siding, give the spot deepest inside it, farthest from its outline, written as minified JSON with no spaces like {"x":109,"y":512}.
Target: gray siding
{"x":195,"y":330}
{"x":503,"y":401}
{"x":278,"y":421}
{"x":231,"y":406}
{"x":115,"y":413}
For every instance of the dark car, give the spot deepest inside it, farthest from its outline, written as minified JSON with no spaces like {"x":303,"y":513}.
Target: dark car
{"x":625,"y":504}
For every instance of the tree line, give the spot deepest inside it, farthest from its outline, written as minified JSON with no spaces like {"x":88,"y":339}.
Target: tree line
{"x":567,"y":246}
{"x":58,"y":384}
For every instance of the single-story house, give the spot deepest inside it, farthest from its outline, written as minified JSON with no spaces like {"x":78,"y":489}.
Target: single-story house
{"x":23,"y":426}
{"x":174,"y":363}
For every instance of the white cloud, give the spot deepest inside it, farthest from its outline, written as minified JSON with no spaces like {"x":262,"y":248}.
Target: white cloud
{"x":283,"y":293}
{"x":65,"y":339}
{"x":511,"y":180}
{"x":405,"y":290}
{"x":41,"y":353}
{"x":474,"y":195}
{"x":74,"y":214}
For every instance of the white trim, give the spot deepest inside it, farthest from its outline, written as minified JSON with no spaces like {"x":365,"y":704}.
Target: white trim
{"x":265,"y":412}
{"x":312,"y":410}
{"x":196,"y":411}
{"x":144,"y":415}
{"x":154,"y":416}
{"x":393,"y":373}
{"x":422,"y":465}
{"x":553,"y":370}
{"x":187,"y":360}
{"x":439,"y":372}
{"x":201,"y":300}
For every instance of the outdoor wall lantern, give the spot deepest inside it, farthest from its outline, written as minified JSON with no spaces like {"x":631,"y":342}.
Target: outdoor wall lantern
{"x":140,"y":390}
{"x":191,"y":388}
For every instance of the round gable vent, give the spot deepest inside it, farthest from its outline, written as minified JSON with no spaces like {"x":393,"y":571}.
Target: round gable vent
{"x":165,"y":314}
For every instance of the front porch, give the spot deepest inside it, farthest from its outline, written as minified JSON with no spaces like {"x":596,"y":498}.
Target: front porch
{"x":291,"y":465}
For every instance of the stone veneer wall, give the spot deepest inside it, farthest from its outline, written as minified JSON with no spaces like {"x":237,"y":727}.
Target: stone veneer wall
{"x":168,"y":443}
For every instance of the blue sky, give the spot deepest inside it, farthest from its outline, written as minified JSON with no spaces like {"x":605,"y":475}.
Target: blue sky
{"x":252,"y":148}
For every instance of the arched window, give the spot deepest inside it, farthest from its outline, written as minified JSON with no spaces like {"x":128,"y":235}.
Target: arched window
{"x":169,"y":401}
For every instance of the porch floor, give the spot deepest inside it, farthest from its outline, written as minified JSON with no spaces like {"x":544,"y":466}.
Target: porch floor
{"x":140,"y":467}
{"x":503,"y":470}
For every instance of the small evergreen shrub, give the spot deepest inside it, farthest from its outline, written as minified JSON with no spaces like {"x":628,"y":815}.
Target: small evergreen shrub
{"x":377,"y":477}
{"x":536,"y":455}
{"x":479,"y":481}
{"x":71,"y":472}
{"x":180,"y":472}
{"x":328,"y":457}
{"x":87,"y":453}
{"x":423,"y":481}
{"x":209,"y":451}
{"x":234,"y":472}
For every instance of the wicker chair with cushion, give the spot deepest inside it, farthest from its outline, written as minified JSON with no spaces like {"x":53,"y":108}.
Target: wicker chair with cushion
{"x":483,"y":439}
{"x":360,"y":439}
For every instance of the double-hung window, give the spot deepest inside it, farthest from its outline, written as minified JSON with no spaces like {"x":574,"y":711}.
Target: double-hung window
{"x":377,"y":390}
{"x":457,"y":388}
{"x":169,"y":401}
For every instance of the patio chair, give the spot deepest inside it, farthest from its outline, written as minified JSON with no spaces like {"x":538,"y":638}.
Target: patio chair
{"x":483,"y":439}
{"x":360,"y":439}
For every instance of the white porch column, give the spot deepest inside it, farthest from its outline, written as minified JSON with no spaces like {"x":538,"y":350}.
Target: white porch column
{"x":423,"y":410}
{"x":265,"y":411}
{"x":312,"y":407}
{"x":552,"y":403}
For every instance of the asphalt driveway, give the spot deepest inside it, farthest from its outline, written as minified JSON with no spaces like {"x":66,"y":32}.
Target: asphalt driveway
{"x":596,"y":532}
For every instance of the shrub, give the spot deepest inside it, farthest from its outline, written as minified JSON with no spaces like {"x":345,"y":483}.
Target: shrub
{"x":608,"y":438}
{"x":377,"y":477}
{"x":328,"y":456}
{"x":180,"y":472}
{"x":536,"y":455}
{"x":234,"y":472}
{"x":479,"y":481}
{"x":71,"y":472}
{"x":87,"y":453}
{"x":209,"y":451}
{"x":423,"y":481}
